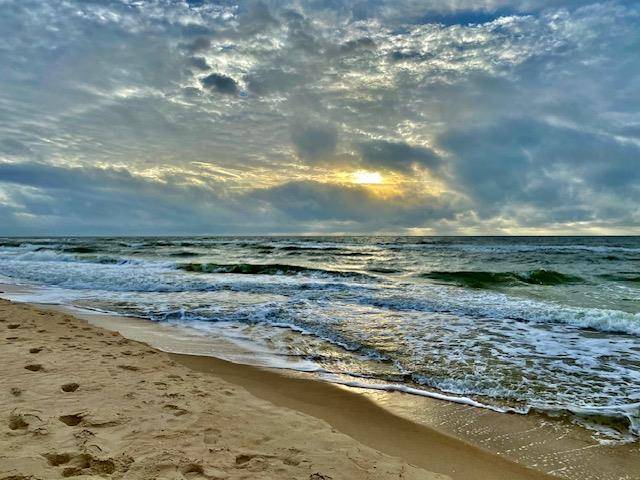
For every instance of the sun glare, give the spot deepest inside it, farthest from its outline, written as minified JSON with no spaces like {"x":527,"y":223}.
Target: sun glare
{"x":363,"y":177}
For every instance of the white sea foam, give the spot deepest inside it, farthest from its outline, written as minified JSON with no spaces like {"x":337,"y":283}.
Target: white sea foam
{"x":455,"y":300}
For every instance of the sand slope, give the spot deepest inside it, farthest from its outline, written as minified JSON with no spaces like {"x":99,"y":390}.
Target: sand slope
{"x":78,"y":401}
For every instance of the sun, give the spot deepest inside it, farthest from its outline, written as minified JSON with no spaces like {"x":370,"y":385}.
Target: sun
{"x":365,"y":177}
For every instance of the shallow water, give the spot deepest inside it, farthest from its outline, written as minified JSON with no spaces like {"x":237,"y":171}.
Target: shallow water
{"x":511,"y":323}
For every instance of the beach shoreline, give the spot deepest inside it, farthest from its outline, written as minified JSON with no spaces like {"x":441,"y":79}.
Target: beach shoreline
{"x":50,"y":432}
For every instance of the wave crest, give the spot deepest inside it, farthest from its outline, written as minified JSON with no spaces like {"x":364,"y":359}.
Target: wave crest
{"x":479,"y":279}
{"x":263,"y":269}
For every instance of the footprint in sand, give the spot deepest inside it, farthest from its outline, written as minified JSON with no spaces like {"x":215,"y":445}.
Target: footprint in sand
{"x":36,"y":367}
{"x":84,"y":464}
{"x":13,"y":326}
{"x":21,"y":422}
{"x":17,"y":422}
{"x":35,"y":350}
{"x":211,"y":436}
{"x":57,"y":459}
{"x":176,"y":410}
{"x":244,"y":458}
{"x":70,"y":387}
{"x":131,"y":368}
{"x":70,"y":420}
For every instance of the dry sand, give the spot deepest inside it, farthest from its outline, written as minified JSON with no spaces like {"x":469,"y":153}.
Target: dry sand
{"x":79,"y":401}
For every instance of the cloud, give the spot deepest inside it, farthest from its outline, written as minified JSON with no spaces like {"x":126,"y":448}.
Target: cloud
{"x":45,"y":199}
{"x":314,"y":142}
{"x":357,"y":45}
{"x":199,"y":62}
{"x":524,"y":113}
{"x":398,"y":156}
{"x":272,"y":80}
{"x":350,"y":208}
{"x":410,"y":56}
{"x":570,"y":174}
{"x":257,"y":18}
{"x":308,"y":200}
{"x":220,"y":83}
{"x":198,"y":44}
{"x":11,"y":146}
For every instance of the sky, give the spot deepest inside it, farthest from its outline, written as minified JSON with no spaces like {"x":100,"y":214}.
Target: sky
{"x":416,"y":117}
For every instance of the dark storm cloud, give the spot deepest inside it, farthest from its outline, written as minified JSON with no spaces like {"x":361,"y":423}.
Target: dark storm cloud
{"x":314,"y":142}
{"x":397,"y":156}
{"x":220,"y":83}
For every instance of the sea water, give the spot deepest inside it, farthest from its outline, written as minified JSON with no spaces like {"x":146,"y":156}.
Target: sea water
{"x":509,"y":323}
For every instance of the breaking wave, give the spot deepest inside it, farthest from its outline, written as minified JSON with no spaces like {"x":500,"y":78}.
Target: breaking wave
{"x":498,"y":279}
{"x":263,"y":269}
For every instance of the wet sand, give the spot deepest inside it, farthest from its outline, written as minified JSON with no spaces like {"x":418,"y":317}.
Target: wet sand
{"x":81,"y":401}
{"x":365,"y":421}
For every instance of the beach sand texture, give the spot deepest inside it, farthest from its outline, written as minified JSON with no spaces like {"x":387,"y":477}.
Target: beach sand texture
{"x":79,"y":401}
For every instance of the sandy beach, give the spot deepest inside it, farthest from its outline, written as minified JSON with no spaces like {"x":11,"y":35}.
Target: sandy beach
{"x":81,"y":401}
{"x":320,"y":240}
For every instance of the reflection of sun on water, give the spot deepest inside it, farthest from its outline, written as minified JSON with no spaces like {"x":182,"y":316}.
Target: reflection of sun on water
{"x":364,"y":177}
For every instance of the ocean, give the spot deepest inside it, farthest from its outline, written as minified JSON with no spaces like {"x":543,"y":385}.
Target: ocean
{"x":513,"y":324}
